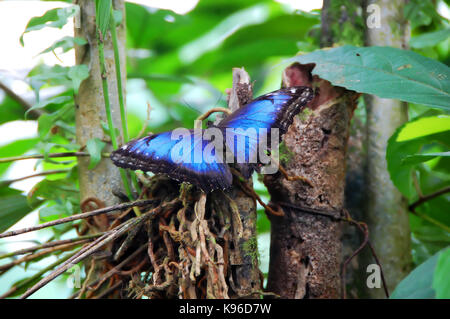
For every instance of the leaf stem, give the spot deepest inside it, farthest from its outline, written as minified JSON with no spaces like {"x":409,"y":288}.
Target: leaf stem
{"x":123,"y":114}
{"x":112,"y":132}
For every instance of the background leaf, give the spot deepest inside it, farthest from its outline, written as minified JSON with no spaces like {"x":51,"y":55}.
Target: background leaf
{"x":429,"y":39}
{"x":384,"y":71}
{"x":418,"y":284}
{"x":94,"y":146}
{"x":66,"y":43}
{"x":77,"y":74}
{"x":55,"y":18}
{"x":408,"y":141}
{"x":14,"y":207}
{"x":441,"y":278}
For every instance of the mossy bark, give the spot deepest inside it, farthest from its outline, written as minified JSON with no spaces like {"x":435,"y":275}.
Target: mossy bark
{"x":305,"y":253}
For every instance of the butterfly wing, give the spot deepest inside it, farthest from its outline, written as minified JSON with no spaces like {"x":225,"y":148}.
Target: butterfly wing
{"x":273,"y":110}
{"x":180,"y":157}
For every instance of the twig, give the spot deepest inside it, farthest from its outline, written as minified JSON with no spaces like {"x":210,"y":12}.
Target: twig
{"x":251,"y":192}
{"x":5,"y":267}
{"x":79,"y":216}
{"x":383,"y":280}
{"x":364,"y":229}
{"x":112,"y":130}
{"x":422,"y":199}
{"x":113,"y":271}
{"x":88,"y":276}
{"x":26,"y":106}
{"x":49,"y":244}
{"x":45,"y":173}
{"x":144,"y":127}
{"x":428,"y":197}
{"x":53,"y":155}
{"x":109,"y":290}
{"x":36,"y":276}
{"x":85,"y":252}
{"x":213,"y":110}
{"x":123,"y":115}
{"x":293,"y":178}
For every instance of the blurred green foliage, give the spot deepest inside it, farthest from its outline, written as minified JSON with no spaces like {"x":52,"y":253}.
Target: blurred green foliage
{"x":181,"y":65}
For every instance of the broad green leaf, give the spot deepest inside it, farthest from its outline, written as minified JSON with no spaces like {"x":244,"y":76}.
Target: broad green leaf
{"x":77,"y":74}
{"x":59,"y":190}
{"x":54,"y":100}
{"x":424,"y":126}
{"x":420,"y":158}
{"x":429,"y":39}
{"x":397,"y":151}
{"x":384,"y":71}
{"x":103,"y":15}
{"x":55,"y":211}
{"x":11,"y":110}
{"x":15,"y":148}
{"x":441,"y":278}
{"x":65,"y":44}
{"x":14,"y":207}
{"x":418,"y":284}
{"x":94,"y":146}
{"x":46,"y":121}
{"x":55,"y":18}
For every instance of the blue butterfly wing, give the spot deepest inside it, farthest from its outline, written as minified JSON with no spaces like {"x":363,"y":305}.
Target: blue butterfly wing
{"x":180,"y":158}
{"x":273,"y":110}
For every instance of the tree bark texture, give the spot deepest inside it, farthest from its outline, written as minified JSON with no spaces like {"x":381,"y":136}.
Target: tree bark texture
{"x":386,"y":210}
{"x":101,"y":181}
{"x":305,"y":253}
{"x":97,"y":185}
{"x":343,"y":22}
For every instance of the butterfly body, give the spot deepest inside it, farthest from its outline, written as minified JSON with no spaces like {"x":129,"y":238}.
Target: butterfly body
{"x":185,"y":155}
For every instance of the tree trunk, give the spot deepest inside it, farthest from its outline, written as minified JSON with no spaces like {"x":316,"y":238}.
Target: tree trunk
{"x":101,"y":181}
{"x":386,"y":209}
{"x":343,"y":22}
{"x":305,"y":253}
{"x":97,"y":185}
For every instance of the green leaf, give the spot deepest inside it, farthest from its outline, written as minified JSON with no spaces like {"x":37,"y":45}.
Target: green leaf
{"x":65,"y":44}
{"x":77,"y":74}
{"x":55,"y":18}
{"x":441,"y":278}
{"x":408,"y":141}
{"x":429,"y":39}
{"x":54,"y":100}
{"x":424,"y":126}
{"x":420,"y":158}
{"x":418,"y":284}
{"x":94,"y":146}
{"x":15,"y":148}
{"x":46,"y":121}
{"x":102,"y":15}
{"x":384,"y":71}
{"x":117,"y":17}
{"x":58,"y":190}
{"x":14,"y":207}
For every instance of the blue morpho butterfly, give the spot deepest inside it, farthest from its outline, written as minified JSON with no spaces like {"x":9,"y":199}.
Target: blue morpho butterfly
{"x":155,"y":152}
